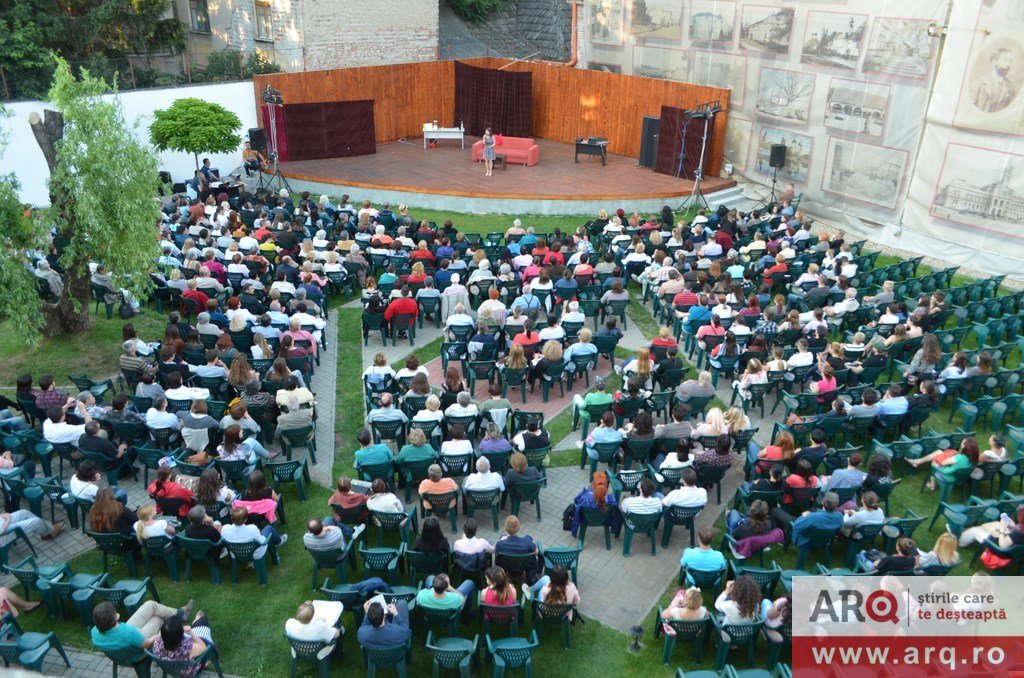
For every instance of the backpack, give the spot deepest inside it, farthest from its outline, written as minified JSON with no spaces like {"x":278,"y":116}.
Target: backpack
{"x":125,"y":310}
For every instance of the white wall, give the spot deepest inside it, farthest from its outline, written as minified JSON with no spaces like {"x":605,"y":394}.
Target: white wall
{"x":24,"y":158}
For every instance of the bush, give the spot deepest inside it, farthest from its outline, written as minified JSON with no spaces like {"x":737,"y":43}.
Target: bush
{"x":476,"y":11}
{"x":231,"y":64}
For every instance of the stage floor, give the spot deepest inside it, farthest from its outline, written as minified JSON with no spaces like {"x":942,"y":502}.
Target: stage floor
{"x":405,"y":167}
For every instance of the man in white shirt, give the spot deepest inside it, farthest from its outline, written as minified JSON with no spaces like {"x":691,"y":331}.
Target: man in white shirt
{"x":276,"y":315}
{"x":204,"y":280}
{"x":573,"y":314}
{"x":522,"y":260}
{"x":305,"y":318}
{"x":802,"y":357}
{"x":711,"y":248}
{"x":57,"y":431}
{"x":240,"y":533}
{"x":689,"y":495}
{"x":483,"y":479}
{"x":470,"y":544}
{"x":158,"y":417}
{"x":462,"y":407}
{"x":458,"y":318}
{"x":204,"y":326}
{"x":307,"y":626}
{"x":247,"y":243}
{"x":176,"y":391}
{"x":213,"y":367}
{"x":553,"y":331}
{"x":266,"y":329}
{"x":646,"y":503}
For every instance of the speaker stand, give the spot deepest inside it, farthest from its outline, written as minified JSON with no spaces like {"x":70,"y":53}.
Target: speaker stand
{"x":772,"y":197}
{"x":272,"y":181}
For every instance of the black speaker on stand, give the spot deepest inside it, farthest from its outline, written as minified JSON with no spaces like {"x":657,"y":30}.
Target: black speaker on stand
{"x":776,"y":160}
{"x":258,"y":140}
{"x":649,"y":141}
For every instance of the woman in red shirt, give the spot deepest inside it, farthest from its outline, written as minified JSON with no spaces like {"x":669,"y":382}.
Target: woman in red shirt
{"x":165,"y":488}
{"x":779,"y":267}
{"x":802,"y":476}
{"x":825,"y":387}
{"x":541,"y":249}
{"x":418,"y":275}
{"x":664,"y":339}
{"x":423,"y":252}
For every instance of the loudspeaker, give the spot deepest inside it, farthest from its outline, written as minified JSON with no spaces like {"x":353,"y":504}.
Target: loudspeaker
{"x":257,"y":139}
{"x":778,"y":156}
{"x":649,"y":141}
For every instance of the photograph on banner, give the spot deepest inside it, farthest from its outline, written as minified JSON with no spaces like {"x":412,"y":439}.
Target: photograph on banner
{"x":798,"y":153}
{"x":990,"y":97}
{"x":833,"y":39}
{"x":651,"y":61}
{"x":712,"y":21}
{"x":764,"y":28}
{"x":856,"y":106}
{"x":604,"y":67}
{"x":728,"y":71}
{"x":737,"y":142}
{"x":907,"y":625}
{"x":657,"y":19}
{"x":607,"y":22}
{"x":785,"y":95}
{"x":863,"y":172}
{"x":899,"y":47}
{"x":982,"y":188}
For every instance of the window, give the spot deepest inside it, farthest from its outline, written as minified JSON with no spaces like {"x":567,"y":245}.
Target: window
{"x":264,"y":27}
{"x":200,"y":15}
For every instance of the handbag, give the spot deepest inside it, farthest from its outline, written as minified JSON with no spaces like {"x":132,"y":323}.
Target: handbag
{"x":993,"y":561}
{"x":567,"y":515}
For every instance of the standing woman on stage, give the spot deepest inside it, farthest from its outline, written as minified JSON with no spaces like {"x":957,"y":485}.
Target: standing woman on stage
{"x":488,"y":151}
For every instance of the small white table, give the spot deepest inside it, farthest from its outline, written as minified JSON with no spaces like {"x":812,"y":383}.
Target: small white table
{"x":444,"y":133}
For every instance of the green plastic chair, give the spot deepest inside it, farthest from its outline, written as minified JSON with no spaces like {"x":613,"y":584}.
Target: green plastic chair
{"x":593,"y":516}
{"x":483,"y":500}
{"x":441,"y":505}
{"x":244,"y":553}
{"x":705,"y":580}
{"x":29,"y":575}
{"x":734,"y":635}
{"x":816,"y":538}
{"x":394,"y":522}
{"x":548,"y":613}
{"x":161,"y":547}
{"x":293,"y":471}
{"x":644,"y":524}
{"x":766,"y":577}
{"x":693,"y":631}
{"x":420,"y":564}
{"x":127,"y":594}
{"x":111,"y":544}
{"x":131,"y":658}
{"x":512,"y":653}
{"x":311,"y":651}
{"x":27,"y":650}
{"x":396,"y":657}
{"x":431,"y":617}
{"x":298,"y":437}
{"x":529,"y":492}
{"x":452,"y":653}
{"x":174,"y":668}
{"x":569,"y":558}
{"x":199,"y":550}
{"x":684,"y":516}
{"x":338,"y":559}
{"x":607,"y":453}
{"x":382,"y":561}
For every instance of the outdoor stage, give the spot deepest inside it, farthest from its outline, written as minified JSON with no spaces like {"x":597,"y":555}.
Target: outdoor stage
{"x":402,"y":172}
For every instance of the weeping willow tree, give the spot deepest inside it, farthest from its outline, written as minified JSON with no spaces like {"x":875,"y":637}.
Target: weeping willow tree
{"x":103,"y":182}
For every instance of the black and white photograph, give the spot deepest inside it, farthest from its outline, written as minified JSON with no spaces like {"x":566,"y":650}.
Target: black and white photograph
{"x":604,"y":67}
{"x":606,"y":22}
{"x":764,"y":28}
{"x":864,"y":172}
{"x":657,"y":20}
{"x":798,"y":153}
{"x":660,"y":62}
{"x":785,"y":95}
{"x":728,"y":71}
{"x":979,"y":186}
{"x":737,"y":142}
{"x":900,"y":47}
{"x":712,"y":21}
{"x":990,"y":97}
{"x":833,"y":39}
{"x":856,"y":106}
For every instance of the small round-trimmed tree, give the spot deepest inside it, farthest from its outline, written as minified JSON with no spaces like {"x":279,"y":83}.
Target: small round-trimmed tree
{"x":195,"y":126}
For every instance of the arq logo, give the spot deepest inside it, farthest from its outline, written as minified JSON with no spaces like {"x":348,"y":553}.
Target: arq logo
{"x":851,"y":606}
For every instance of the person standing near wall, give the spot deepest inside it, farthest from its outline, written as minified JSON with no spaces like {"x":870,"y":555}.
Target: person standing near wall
{"x":488,"y":152}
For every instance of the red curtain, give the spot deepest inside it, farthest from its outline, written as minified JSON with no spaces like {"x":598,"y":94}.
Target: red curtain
{"x":670,"y":143}
{"x":487,"y":97}
{"x":337,"y":129}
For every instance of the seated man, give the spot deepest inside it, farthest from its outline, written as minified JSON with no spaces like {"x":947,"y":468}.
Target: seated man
{"x":704,"y":558}
{"x":689,"y":495}
{"x":457,"y":319}
{"x":321,"y":537}
{"x":513,"y":543}
{"x":369,"y":453}
{"x":387,"y":411}
{"x":382,"y":627}
{"x":109,"y":634}
{"x":239,"y":532}
{"x":484,"y":478}
{"x":646,"y":504}
{"x":307,"y":626}
{"x":439,"y":594}
{"x":462,"y":407}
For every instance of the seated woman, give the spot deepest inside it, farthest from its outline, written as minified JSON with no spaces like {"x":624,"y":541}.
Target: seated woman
{"x":903,"y":560}
{"x":604,"y":433}
{"x":499,"y":591}
{"x":550,"y":355}
{"x":757,"y":521}
{"x":740,"y":602}
{"x":211,"y":489}
{"x":641,"y":428}
{"x":776,"y":614}
{"x":165,"y":488}
{"x":431,"y":539}
{"x":686,"y":605}
{"x":148,"y":526}
{"x":755,"y":373}
{"x":1007,"y":532}
{"x":494,"y":440}
{"x":727,"y":349}
{"x":996,"y":449}
{"x":234,"y":448}
{"x":520,"y":471}
{"x":802,"y":476}
{"x":554,"y":589}
{"x":678,"y":459}
{"x":720,"y":456}
{"x":174,"y":643}
{"x":641,"y":368}
{"x":943,"y":554}
{"x":597,"y":496}
{"x":946,"y":463}
{"x":109,"y":516}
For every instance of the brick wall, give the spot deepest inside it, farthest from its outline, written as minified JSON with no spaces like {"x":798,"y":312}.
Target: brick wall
{"x":368,"y":32}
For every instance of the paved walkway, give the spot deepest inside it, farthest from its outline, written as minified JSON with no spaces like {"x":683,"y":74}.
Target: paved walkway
{"x":90,"y":665}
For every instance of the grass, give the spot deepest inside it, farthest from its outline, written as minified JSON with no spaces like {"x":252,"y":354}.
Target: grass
{"x":93,"y":353}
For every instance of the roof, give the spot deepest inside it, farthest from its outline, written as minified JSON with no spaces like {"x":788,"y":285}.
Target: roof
{"x":539,"y":29}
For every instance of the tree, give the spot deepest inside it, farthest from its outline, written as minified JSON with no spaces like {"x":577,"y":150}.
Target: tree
{"x":95,"y":34}
{"x":195,"y":126}
{"x":231,"y":64}
{"x":102,"y":187}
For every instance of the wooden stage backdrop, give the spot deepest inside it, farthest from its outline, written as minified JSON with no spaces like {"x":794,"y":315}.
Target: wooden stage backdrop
{"x":567,"y":102}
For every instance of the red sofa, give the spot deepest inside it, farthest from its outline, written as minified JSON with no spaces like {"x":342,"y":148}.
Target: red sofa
{"x":515,"y":149}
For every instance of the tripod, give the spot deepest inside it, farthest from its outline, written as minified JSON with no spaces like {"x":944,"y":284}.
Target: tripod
{"x":696,"y":197}
{"x":772,"y":197}
{"x":276,"y":180}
